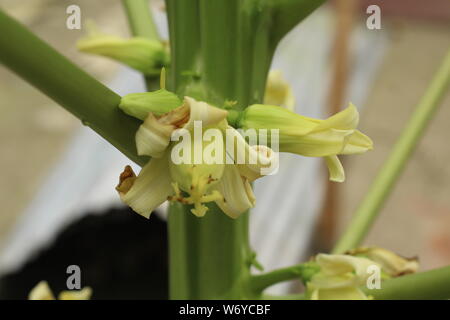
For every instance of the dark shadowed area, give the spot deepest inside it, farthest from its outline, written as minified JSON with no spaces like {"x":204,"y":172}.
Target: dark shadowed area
{"x":121,"y":255}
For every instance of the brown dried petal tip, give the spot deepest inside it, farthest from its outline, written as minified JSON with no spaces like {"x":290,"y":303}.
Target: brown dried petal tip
{"x":126,"y":180}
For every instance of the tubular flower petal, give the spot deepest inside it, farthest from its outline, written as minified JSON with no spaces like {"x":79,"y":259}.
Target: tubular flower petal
{"x":335,"y":169}
{"x":253,"y":162}
{"x":201,"y":111}
{"x":266,"y":163}
{"x":278,"y":91}
{"x":145,"y":55}
{"x":391,"y":263}
{"x":346,"y":119}
{"x":341,"y":265}
{"x":358,"y":143}
{"x":43,"y":292}
{"x":340,"y":277}
{"x":149,"y":189}
{"x":311,"y":137}
{"x":316,"y":144}
{"x":237,"y":194}
{"x":153,"y":137}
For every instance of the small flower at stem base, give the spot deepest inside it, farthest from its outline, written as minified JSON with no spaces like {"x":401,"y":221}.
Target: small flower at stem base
{"x":142,"y":54}
{"x":340,"y":277}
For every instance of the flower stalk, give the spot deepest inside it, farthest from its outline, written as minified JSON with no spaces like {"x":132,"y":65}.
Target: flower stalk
{"x":140,"y":19}
{"x":141,"y":23}
{"x":303,"y":272}
{"x":393,"y":167}
{"x":210,"y":257}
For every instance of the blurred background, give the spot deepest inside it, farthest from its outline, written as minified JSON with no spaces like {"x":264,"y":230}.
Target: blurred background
{"x":59,"y":206}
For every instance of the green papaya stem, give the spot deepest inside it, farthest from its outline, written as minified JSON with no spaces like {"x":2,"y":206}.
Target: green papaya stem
{"x":140,"y":19}
{"x":288,"y":13}
{"x":393,"y":167}
{"x":221,"y":51}
{"x":428,"y":285}
{"x":225,"y":44}
{"x":208,"y":256}
{"x":141,"y":23}
{"x":61,"y":80}
{"x":303,"y":272}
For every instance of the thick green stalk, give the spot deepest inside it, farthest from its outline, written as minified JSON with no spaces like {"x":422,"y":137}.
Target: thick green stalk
{"x":224,"y":44}
{"x":302,"y":272}
{"x":287,"y":14}
{"x":428,"y":285}
{"x":390,"y":172}
{"x":209,"y":256}
{"x":220,"y":51}
{"x":140,"y":19}
{"x":61,"y":80}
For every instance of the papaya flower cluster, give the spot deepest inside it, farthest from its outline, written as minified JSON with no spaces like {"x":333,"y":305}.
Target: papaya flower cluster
{"x":342,"y":276}
{"x":305,"y":136}
{"x":42,"y":291}
{"x":196,"y":169}
{"x":187,"y":166}
{"x":142,"y":54}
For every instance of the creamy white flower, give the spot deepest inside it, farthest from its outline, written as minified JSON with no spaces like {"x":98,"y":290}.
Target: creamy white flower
{"x":43,"y":292}
{"x":191,"y":182}
{"x":340,"y":277}
{"x":278,"y":91}
{"x":311,"y":137}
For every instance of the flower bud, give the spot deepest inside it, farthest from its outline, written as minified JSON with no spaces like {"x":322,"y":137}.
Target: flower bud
{"x":339,"y":278}
{"x":145,"y":55}
{"x":278,"y":91}
{"x":311,"y":137}
{"x":158,"y":102}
